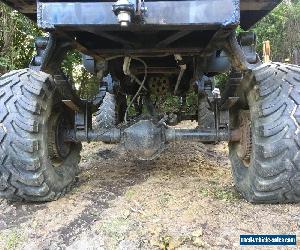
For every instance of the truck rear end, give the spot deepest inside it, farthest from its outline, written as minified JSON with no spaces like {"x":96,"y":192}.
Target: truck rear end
{"x":110,"y":27}
{"x":157,"y":63}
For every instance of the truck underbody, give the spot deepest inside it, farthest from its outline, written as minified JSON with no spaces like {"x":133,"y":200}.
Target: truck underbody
{"x":143,"y":53}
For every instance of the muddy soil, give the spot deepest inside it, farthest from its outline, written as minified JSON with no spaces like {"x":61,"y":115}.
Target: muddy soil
{"x":185,"y":199}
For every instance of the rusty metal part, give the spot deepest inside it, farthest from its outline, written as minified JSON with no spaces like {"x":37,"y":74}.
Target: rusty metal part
{"x":57,"y":147}
{"x":236,"y":54}
{"x":242,"y":56}
{"x":235,"y":135}
{"x":245,"y":144}
{"x":159,"y":85}
{"x":71,"y":105}
{"x":208,"y":135}
{"x":156,"y":70}
{"x":144,"y":140}
{"x":115,"y":135}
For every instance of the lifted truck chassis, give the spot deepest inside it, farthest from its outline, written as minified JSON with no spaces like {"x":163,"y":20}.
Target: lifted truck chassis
{"x":143,"y":52}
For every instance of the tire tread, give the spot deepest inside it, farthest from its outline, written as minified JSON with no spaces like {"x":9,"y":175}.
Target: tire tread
{"x":23,"y":100}
{"x":274,"y":174}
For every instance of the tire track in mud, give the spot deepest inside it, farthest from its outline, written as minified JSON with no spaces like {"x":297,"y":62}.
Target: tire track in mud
{"x":100,"y":198}
{"x":14,"y":213}
{"x":105,"y":175}
{"x":103,"y":189}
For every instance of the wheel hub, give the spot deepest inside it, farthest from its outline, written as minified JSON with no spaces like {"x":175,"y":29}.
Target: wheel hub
{"x":58,"y":149}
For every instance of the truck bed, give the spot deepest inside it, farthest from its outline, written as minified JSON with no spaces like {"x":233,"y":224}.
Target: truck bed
{"x":251,"y":10}
{"x":186,"y":27}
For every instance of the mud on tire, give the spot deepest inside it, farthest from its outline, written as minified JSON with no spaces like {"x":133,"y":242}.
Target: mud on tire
{"x":28,"y":170}
{"x":272,"y":173}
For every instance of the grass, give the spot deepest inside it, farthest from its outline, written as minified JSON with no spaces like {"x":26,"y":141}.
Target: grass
{"x":164,"y":199}
{"x":115,"y":228}
{"x":12,"y":240}
{"x":220,"y":193}
{"x":129,"y":194}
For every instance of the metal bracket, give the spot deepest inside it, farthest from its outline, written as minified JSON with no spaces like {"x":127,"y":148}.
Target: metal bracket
{"x":50,"y":54}
{"x":241,"y":55}
{"x":228,"y":101}
{"x":205,"y":86}
{"x":221,"y":116}
{"x":71,"y":105}
{"x":247,"y":41}
{"x":83,"y":120}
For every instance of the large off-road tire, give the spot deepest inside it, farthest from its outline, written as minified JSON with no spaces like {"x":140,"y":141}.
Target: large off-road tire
{"x":266,"y":163}
{"x":206,"y":117}
{"x":106,"y":115}
{"x":112,"y":110}
{"x":35,"y":163}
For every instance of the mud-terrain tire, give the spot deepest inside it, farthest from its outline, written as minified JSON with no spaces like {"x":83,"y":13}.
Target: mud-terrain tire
{"x":270,"y":170}
{"x":30,"y":168}
{"x":206,"y":117}
{"x":106,"y":116}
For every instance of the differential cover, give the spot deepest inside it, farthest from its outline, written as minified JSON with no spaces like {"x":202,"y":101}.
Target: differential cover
{"x":144,"y":140}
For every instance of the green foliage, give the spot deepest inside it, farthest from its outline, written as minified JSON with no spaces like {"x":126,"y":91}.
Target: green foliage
{"x":170,"y":103}
{"x":282,"y":28}
{"x":86,"y":84}
{"x":221,"y":81}
{"x":17,"y":35}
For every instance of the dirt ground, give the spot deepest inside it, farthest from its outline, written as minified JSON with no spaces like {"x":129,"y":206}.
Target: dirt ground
{"x":185,"y":199}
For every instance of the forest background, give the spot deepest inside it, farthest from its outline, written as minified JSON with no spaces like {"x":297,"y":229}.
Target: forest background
{"x":17,"y":33}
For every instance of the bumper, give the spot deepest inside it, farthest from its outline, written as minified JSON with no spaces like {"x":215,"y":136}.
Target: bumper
{"x":200,"y":14}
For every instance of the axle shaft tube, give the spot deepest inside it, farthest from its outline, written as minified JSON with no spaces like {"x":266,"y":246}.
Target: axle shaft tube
{"x":104,"y":135}
{"x":199,"y":135}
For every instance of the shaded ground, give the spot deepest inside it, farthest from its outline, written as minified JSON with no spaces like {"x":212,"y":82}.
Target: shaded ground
{"x":183,"y":200}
